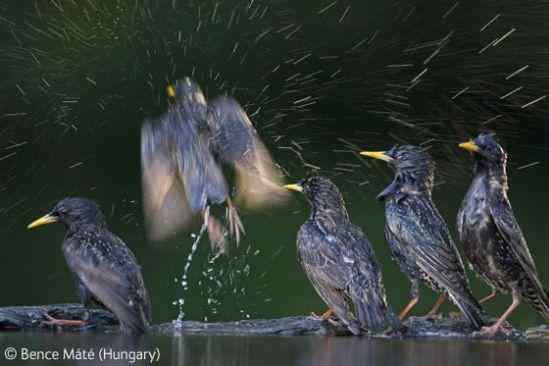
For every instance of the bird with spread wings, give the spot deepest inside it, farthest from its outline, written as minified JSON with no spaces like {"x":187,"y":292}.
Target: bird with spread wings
{"x":182,"y":154}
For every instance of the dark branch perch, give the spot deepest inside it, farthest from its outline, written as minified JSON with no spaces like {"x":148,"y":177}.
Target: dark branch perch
{"x":20,"y":318}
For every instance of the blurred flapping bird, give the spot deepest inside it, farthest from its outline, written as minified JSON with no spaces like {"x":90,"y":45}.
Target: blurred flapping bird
{"x":339,"y":260}
{"x":104,"y":268}
{"x":491,"y":237}
{"x":417,"y":234}
{"x":182,"y":154}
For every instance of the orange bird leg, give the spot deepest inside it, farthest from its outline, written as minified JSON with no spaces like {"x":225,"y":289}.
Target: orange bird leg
{"x":408,"y":308}
{"x":441,"y":299}
{"x":492,"y":296}
{"x":325,"y":316}
{"x":62,"y":322}
{"x":215,"y":231}
{"x":236,"y":228}
{"x":494,"y":328}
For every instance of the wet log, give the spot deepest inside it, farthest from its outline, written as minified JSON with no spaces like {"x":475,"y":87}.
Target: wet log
{"x":24,"y":318}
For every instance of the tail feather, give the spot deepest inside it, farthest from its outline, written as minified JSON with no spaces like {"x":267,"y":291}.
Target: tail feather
{"x":375,"y":315}
{"x":471,"y":309}
{"x":540,"y":302}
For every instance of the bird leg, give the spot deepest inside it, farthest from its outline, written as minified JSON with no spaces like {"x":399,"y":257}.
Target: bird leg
{"x":492,"y":296}
{"x":408,"y":308}
{"x":497,"y":326}
{"x":215,"y":231}
{"x":434,"y":311}
{"x":325,"y":316}
{"x":414,"y":295}
{"x":62,"y":322}
{"x":236,"y":228}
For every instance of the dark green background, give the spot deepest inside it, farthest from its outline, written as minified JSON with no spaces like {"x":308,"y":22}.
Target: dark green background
{"x":78,"y":80}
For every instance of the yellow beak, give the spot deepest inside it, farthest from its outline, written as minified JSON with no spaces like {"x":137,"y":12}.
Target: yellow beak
{"x":47,"y":219}
{"x":294,"y":187}
{"x":377,"y":155}
{"x":469,"y":146}
{"x":170,"y":90}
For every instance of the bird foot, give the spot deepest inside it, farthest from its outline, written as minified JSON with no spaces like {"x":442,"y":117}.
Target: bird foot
{"x":62,"y":322}
{"x":493,"y":330}
{"x":455,"y":315}
{"x":216,"y":234}
{"x":431,"y":316}
{"x":236,"y":228}
{"x":326,"y":316}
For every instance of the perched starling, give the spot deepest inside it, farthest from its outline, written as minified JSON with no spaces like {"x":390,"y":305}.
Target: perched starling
{"x":491,"y":237}
{"x":339,"y":260}
{"x":417,"y":235}
{"x":181,"y":156}
{"x":104,"y":268}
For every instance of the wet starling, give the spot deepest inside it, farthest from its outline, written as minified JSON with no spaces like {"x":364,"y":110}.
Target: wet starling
{"x":339,"y":260}
{"x":181,"y":156}
{"x":417,"y":234}
{"x":104,"y":268}
{"x":492,"y":239}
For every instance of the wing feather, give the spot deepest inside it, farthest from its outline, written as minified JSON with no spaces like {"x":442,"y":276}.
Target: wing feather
{"x":165,"y":202}
{"x":113,"y":278}
{"x":235,"y":141}
{"x":507,"y":225}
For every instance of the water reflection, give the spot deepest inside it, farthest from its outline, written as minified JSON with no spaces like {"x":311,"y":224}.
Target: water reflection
{"x":303,"y":351}
{"x":320,"y":351}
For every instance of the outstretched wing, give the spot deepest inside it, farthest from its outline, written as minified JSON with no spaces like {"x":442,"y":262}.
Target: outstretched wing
{"x":165,"y":203}
{"x":509,"y":229}
{"x":236,"y":142}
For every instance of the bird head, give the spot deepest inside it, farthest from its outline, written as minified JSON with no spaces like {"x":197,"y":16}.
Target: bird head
{"x":486,"y":148}
{"x":186,"y":90}
{"x":73,"y":212}
{"x":322,"y":193}
{"x":413,"y":165}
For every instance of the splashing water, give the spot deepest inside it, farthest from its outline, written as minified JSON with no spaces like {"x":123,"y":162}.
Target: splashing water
{"x":184,"y":277}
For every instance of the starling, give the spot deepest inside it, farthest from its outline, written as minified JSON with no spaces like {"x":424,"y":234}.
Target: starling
{"x":339,"y":260}
{"x":182,"y":153}
{"x":491,"y":237}
{"x":104,"y":268}
{"x":418,"y":237}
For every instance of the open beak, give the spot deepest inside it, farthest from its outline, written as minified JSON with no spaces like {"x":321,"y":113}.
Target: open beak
{"x":377,"y":155}
{"x":170,"y":90}
{"x":294,"y":187}
{"x":47,"y":219}
{"x":469,"y":146}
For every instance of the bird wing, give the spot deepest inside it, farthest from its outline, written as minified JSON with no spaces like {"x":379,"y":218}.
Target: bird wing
{"x":420,"y":230}
{"x":236,"y":142}
{"x":109,"y":271}
{"x":343,"y":269}
{"x":165,"y":203}
{"x":508,"y":227}
{"x":321,"y":262}
{"x":366,"y":284}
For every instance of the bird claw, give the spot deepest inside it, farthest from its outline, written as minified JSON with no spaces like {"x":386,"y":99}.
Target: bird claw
{"x":51,"y":321}
{"x":493,"y":330}
{"x":236,"y":228}
{"x":216,"y":235}
{"x":431,"y":316}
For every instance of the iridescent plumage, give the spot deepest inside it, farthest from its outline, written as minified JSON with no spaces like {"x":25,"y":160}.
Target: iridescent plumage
{"x":491,"y":237}
{"x":417,"y":234}
{"x":105,"y":270}
{"x":339,"y":261}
